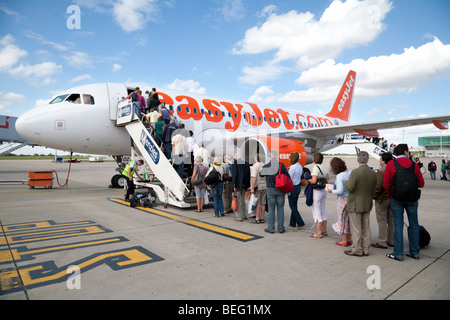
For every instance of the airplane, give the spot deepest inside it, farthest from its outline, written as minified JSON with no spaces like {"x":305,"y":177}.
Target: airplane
{"x":84,"y":120}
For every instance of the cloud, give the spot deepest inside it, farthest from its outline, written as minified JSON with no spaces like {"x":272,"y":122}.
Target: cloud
{"x":377,"y":76}
{"x":267,"y":11}
{"x":116,"y":67}
{"x":10,"y":98}
{"x":187,"y":85}
{"x":133,"y":15}
{"x":232,"y":10}
{"x":385,"y":75}
{"x":10,"y":54}
{"x":300,"y":37}
{"x":79,"y":60}
{"x":81,"y":78}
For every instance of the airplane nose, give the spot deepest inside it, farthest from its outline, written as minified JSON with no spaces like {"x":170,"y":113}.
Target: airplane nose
{"x":26,"y":127}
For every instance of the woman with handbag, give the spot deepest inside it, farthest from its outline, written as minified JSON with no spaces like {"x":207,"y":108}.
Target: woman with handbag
{"x":198,"y":177}
{"x":318,"y":182}
{"x":275,"y":197}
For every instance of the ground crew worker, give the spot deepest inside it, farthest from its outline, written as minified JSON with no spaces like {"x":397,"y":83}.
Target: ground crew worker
{"x":128,"y":174}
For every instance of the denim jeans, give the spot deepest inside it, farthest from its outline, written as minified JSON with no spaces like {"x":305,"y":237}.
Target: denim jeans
{"x":398,"y":208}
{"x":217,"y":190}
{"x":433,"y":175}
{"x":296,"y":219}
{"x":275,"y":200}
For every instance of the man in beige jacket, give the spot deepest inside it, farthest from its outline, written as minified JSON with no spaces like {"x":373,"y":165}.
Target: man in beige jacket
{"x":361,"y":188}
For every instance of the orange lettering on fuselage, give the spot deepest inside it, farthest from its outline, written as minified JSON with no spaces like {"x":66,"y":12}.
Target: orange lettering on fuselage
{"x":284,"y":115}
{"x":213,"y":107}
{"x":165,"y":99}
{"x":236,"y":116}
{"x":257,"y":119}
{"x":271,"y":116}
{"x":190,"y":110}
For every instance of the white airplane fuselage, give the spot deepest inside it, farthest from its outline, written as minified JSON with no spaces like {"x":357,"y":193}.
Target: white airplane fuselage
{"x":88,"y":124}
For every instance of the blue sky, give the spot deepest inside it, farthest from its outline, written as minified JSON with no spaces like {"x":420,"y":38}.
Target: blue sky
{"x":288,"y":53}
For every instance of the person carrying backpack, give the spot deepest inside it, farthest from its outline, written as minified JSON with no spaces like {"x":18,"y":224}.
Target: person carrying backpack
{"x":402,"y":180}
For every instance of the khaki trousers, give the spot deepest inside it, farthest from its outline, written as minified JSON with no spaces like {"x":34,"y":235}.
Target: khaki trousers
{"x":360,"y":228}
{"x":385,"y":222}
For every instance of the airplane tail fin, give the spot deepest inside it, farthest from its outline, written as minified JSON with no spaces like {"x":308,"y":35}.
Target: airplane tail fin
{"x":343,"y":104}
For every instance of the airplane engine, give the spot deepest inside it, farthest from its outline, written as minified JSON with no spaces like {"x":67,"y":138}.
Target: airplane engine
{"x":264,"y":145}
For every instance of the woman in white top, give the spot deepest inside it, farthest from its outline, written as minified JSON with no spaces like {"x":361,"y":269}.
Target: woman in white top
{"x":319,"y":197}
{"x":342,"y":225}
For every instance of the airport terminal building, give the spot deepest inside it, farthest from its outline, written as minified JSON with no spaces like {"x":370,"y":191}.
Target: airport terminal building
{"x":438,"y":146}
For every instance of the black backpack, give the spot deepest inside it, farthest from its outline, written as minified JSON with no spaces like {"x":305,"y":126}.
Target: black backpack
{"x":405,"y":184}
{"x":212,"y":177}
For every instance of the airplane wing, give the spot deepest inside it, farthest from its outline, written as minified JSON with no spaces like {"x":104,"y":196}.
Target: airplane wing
{"x":371,"y":127}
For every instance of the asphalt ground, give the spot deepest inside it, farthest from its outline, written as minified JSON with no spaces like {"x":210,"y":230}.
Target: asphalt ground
{"x":79,"y":243}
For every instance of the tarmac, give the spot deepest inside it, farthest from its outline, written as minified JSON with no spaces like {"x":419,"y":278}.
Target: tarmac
{"x":81,"y":242}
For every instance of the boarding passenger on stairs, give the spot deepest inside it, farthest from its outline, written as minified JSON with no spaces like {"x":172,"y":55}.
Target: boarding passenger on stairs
{"x":128,"y":174}
{"x":179,"y":149}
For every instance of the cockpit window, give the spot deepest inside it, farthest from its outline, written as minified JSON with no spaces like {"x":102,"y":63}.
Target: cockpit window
{"x":59,"y":99}
{"x":88,"y":99}
{"x":74,"y":98}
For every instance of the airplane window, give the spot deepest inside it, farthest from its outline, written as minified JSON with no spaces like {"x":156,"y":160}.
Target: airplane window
{"x":59,"y":99}
{"x":88,"y":99}
{"x":74,"y":98}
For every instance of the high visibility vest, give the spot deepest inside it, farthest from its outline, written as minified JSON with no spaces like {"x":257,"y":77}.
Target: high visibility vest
{"x":125,"y":171}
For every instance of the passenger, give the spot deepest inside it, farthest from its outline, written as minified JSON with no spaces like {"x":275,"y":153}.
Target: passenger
{"x":167,"y":116}
{"x":342,"y":225}
{"x":167,"y":135}
{"x":200,"y":189}
{"x":361,"y":188}
{"x":258,"y":188}
{"x":240,"y":182}
{"x":295,"y":171}
{"x":432,"y":167}
{"x":227,"y":195}
{"x":179,"y":148}
{"x":150,"y":96}
{"x":135,"y":99}
{"x":275,"y":198}
{"x":128,"y":174}
{"x":158,"y":127}
{"x":155,"y":103}
{"x":443,"y":176}
{"x":204,"y":153}
{"x":399,"y":206}
{"x":383,"y":208}
{"x":217,"y":188}
{"x":319,"y":197}
{"x":142,"y":102}
{"x":190,"y":140}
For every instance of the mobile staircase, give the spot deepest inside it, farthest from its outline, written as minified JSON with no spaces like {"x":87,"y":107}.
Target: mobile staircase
{"x":171,"y":189}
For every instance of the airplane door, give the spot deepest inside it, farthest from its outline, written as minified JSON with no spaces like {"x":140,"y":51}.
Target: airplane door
{"x":116,"y":92}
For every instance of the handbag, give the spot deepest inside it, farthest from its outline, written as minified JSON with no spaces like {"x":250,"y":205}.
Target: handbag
{"x":321,"y":182}
{"x":283,"y":182}
{"x":234,"y":203}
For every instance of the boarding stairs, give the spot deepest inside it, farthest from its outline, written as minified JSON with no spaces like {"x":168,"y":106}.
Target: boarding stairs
{"x":361,"y":144}
{"x":171,"y":189}
{"x":7,"y":148}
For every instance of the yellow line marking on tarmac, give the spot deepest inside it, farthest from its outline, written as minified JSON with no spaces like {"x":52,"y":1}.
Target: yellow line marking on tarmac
{"x":202,"y":225}
{"x":47,"y":235}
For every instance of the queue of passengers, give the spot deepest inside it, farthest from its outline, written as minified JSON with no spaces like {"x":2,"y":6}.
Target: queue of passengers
{"x":237,"y":183}
{"x":357,"y":192}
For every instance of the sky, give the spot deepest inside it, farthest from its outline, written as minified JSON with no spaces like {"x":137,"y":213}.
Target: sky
{"x":285,"y":53}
